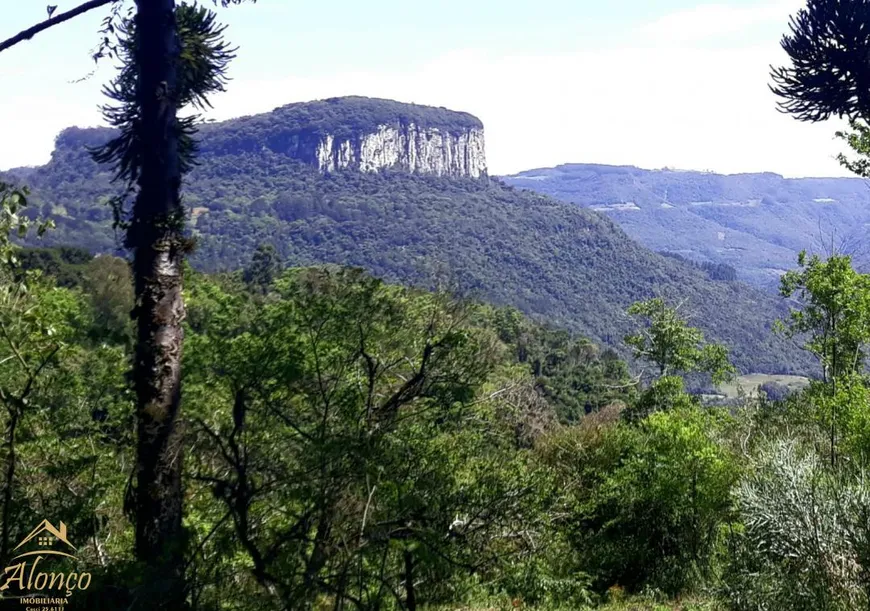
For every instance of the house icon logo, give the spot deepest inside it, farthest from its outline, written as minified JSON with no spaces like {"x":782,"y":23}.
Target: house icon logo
{"x":26,"y":579}
{"x":51,"y":541}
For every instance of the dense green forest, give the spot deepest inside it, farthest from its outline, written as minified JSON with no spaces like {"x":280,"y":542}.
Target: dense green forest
{"x":554,"y":261}
{"x":350,"y":437}
{"x":394,"y":392}
{"x":345,"y":117}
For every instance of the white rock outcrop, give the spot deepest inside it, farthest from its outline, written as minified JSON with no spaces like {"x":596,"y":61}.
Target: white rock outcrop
{"x":409,"y":148}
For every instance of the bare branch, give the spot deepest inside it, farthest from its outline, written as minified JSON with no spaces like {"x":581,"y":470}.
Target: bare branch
{"x":14,"y":348}
{"x":51,"y":21}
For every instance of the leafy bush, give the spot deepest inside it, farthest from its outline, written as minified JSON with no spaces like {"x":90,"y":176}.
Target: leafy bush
{"x":647,"y":501}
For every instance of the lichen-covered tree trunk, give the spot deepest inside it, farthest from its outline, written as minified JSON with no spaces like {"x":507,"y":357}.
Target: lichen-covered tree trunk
{"x":155,"y":236}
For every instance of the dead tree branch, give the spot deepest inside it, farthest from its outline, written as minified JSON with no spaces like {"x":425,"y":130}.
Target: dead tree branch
{"x":52,"y":21}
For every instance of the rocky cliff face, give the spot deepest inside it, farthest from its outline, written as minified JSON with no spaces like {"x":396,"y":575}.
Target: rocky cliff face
{"x":349,"y":133}
{"x":406,"y":147}
{"x":362,"y":134}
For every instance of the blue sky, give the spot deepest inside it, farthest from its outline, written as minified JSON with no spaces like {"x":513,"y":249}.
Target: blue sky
{"x":653,"y":83}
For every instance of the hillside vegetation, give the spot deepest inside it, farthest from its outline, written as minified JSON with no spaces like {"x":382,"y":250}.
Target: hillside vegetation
{"x":343,"y":117}
{"x":756,"y":223}
{"x":552,"y":260}
{"x":390,"y":392}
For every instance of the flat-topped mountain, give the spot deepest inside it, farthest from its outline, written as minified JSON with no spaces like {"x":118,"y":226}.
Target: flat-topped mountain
{"x":755,"y":223}
{"x":348,"y":133}
{"x":363,"y":134}
{"x":554,"y":260}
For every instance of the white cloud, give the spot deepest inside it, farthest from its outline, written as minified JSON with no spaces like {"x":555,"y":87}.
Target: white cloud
{"x":31,"y":123}
{"x":712,"y":20}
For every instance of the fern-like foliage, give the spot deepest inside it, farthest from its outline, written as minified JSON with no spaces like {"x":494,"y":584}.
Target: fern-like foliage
{"x":807,"y":534}
{"x":202,"y":65}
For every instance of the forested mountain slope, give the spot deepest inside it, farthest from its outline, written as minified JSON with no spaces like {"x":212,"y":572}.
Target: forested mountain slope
{"x":555,"y":261}
{"x":757,"y":223}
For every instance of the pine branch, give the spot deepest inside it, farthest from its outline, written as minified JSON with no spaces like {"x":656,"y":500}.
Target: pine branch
{"x":51,"y":21}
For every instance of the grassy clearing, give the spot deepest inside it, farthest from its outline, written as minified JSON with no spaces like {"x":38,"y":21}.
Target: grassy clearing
{"x":750,"y":383}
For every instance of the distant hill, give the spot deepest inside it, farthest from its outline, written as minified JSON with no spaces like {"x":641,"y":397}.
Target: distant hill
{"x":756,"y":223}
{"x":556,"y":261}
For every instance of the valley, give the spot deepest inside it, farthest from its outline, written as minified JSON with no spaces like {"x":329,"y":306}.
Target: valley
{"x":259,"y":182}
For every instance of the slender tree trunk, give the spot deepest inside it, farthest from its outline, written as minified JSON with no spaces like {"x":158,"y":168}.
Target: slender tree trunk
{"x":155,"y":238}
{"x":835,"y":373}
{"x":14,"y":415}
{"x":695,"y":520}
{"x":410,"y":595}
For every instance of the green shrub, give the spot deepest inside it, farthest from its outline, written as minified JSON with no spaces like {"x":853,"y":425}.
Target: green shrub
{"x":646,"y":501}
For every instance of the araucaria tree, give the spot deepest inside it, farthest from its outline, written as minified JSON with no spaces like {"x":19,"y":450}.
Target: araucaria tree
{"x":171,"y":58}
{"x":828,"y":44}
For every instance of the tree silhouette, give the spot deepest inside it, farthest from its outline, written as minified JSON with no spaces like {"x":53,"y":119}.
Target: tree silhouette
{"x":829,"y":45}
